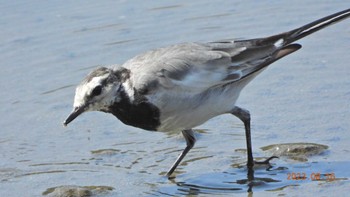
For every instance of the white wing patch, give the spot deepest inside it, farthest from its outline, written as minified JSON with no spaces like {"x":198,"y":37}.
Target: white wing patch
{"x":200,"y":79}
{"x":279,"y":43}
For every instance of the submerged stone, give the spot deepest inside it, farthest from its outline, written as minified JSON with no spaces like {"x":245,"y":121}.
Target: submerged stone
{"x":105,"y":152}
{"x":296,"y":151}
{"x":77,"y":191}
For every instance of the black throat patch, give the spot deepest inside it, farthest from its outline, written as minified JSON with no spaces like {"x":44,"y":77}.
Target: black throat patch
{"x":139,"y":113}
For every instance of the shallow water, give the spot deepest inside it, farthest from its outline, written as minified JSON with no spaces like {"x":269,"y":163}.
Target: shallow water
{"x":47,"y":47}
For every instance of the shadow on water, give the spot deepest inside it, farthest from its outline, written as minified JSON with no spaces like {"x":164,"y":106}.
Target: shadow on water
{"x":240,"y":180}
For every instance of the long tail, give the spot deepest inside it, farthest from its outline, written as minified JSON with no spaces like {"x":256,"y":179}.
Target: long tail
{"x":310,"y":28}
{"x":262,"y":52}
{"x":288,"y":37}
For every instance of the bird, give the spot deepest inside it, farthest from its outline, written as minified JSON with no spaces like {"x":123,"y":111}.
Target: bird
{"x":179,"y":87}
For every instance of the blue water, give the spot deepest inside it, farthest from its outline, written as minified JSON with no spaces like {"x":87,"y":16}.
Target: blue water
{"x":47,"y":47}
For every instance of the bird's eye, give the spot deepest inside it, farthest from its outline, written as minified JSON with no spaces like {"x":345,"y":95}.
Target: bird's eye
{"x":97,"y":90}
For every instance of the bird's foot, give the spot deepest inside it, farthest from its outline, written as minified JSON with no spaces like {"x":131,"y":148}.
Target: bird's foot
{"x":266,"y":162}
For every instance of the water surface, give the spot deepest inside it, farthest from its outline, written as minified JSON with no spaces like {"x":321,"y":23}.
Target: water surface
{"x":47,"y":47}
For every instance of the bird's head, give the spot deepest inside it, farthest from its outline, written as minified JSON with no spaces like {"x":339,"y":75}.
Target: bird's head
{"x":96,"y":92}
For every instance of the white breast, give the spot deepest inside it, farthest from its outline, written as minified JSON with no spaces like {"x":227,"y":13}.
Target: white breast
{"x":185,"y":111}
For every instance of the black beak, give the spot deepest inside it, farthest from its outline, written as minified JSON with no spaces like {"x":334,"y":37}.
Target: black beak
{"x":75,"y":113}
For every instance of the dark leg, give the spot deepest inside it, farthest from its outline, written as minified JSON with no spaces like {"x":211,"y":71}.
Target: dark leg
{"x":244,"y":115}
{"x":190,"y":141}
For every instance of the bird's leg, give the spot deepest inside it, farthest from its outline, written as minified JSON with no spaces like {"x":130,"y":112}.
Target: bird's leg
{"x":190,"y":141}
{"x":244,"y":115}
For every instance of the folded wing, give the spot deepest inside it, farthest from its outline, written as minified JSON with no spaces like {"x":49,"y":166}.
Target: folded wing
{"x":196,"y":67}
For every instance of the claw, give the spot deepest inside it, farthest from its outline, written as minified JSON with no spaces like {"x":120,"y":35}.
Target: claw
{"x":267,"y":161}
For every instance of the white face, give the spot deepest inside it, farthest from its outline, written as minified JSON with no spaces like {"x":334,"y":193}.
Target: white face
{"x":97,"y":92}
{"x":96,"y":95}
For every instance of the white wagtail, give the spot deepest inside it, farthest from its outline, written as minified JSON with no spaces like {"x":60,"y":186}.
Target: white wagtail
{"x":182,"y":86}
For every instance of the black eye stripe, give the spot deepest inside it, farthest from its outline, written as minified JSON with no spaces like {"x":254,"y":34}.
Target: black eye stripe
{"x":104,"y":82}
{"x":96,"y":91}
